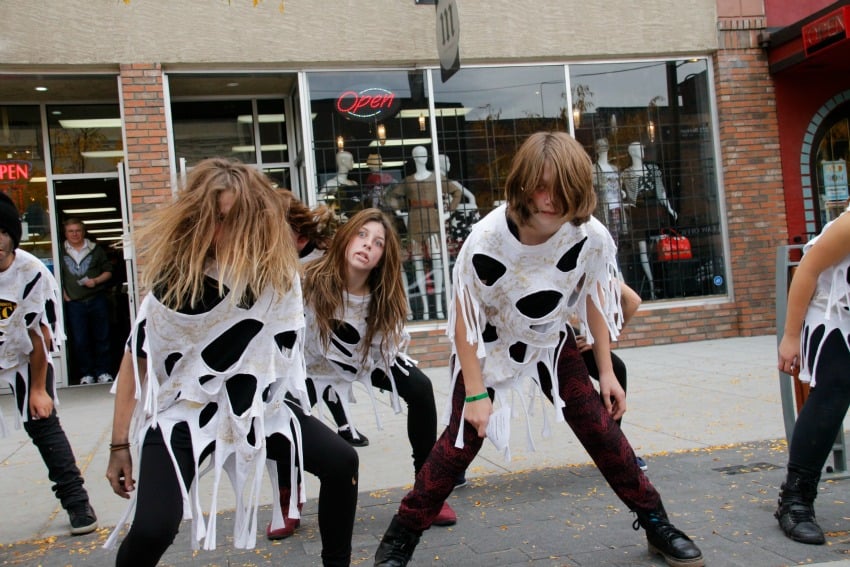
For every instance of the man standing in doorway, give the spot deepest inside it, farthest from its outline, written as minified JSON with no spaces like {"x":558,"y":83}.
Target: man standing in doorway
{"x":85,"y":270}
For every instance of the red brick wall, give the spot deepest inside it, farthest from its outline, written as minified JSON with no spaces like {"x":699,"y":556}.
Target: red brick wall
{"x":147,"y":139}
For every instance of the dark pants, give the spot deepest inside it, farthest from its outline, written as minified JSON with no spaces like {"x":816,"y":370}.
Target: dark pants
{"x":159,"y":507}
{"x":88,"y":331}
{"x":586,"y":416}
{"x":822,"y":416}
{"x":52,"y":443}
{"x":414,"y":387}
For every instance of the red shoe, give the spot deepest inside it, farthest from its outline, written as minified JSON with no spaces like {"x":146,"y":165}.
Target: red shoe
{"x":289,"y":524}
{"x":446,"y":517}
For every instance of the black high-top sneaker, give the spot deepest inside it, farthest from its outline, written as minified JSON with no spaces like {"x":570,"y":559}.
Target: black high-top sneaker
{"x":396,"y":546}
{"x":796,"y":510}
{"x":666,"y":540}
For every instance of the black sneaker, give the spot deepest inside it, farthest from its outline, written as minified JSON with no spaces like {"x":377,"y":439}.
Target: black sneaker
{"x":363,"y":441}
{"x":83,"y":520}
{"x":664,"y":539}
{"x":460,"y":480}
{"x":641,"y":463}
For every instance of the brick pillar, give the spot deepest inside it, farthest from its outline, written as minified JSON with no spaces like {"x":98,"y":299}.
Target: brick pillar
{"x":147,"y":139}
{"x":749,"y":140}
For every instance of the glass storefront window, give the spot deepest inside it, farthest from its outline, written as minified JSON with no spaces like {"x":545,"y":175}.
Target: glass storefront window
{"x":221,"y":128}
{"x":831,"y":165}
{"x":85,"y":138}
{"x":372,"y":147}
{"x":647,"y":127}
{"x":483,"y":115}
{"x":23,"y":176}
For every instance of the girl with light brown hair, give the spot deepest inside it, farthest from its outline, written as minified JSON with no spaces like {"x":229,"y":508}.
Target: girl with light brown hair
{"x":214,"y":378}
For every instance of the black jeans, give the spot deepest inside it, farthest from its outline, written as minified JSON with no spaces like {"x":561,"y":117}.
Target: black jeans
{"x":159,"y":508}
{"x":50,"y":440}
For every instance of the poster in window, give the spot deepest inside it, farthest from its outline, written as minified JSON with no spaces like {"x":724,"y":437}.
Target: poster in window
{"x":835,"y":180}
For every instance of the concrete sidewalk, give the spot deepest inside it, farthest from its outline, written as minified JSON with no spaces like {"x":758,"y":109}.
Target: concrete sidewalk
{"x":706,"y":416}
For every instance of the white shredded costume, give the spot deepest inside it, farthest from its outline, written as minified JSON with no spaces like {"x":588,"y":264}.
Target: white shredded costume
{"x":517,"y":301}
{"x":341,"y":365}
{"x":187,"y":380}
{"x":828,"y":311}
{"x":29,"y":296}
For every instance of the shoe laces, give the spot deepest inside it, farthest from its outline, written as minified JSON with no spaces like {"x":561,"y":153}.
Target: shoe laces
{"x":661,"y":527}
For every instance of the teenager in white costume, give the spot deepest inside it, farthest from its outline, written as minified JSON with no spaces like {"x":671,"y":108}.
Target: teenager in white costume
{"x":815,"y":344}
{"x":30,"y":331}
{"x":525,"y":269}
{"x":215,"y":372}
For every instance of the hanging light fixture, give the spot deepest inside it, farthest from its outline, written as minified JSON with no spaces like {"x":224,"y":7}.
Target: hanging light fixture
{"x":421,"y":122}
{"x":340,"y":143}
{"x":650,"y":129}
{"x":613,"y":124}
{"x":576,"y":116}
{"x":382,"y":134}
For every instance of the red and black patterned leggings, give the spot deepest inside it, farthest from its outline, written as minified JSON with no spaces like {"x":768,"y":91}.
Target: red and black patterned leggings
{"x":587,"y":417}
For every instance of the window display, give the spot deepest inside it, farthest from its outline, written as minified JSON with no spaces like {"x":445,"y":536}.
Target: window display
{"x":646,"y":125}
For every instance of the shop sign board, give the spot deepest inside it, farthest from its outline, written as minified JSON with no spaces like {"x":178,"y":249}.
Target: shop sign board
{"x":826,"y":31}
{"x":367,"y":104}
{"x":835,"y":180}
{"x":14,"y":171}
{"x":448,"y":38}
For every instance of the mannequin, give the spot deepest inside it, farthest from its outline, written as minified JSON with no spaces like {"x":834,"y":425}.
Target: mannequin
{"x":377,"y":182}
{"x":650,"y":208}
{"x":606,"y":181}
{"x":341,"y":188}
{"x":419,"y":190}
{"x":465,"y":214}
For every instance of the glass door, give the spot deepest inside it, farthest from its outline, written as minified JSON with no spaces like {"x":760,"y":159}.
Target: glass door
{"x":89,"y":218}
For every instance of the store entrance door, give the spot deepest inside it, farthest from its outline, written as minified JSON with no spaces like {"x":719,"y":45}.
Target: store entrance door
{"x":97,"y":319}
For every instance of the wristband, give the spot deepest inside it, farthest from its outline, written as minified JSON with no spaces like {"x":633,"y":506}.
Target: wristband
{"x":118,"y":447}
{"x":477,"y":397}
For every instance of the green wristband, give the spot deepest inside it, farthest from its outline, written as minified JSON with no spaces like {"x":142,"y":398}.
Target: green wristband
{"x":477,"y":397}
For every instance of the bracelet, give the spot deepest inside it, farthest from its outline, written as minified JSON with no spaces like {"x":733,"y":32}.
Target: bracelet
{"x":118,"y":447}
{"x":477,"y":397}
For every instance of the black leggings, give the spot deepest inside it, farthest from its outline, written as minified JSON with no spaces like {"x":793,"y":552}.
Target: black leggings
{"x":159,"y":507}
{"x":822,"y":416}
{"x":414,"y":387}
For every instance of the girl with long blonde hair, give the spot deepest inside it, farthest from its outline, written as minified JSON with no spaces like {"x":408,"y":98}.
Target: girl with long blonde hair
{"x":214,"y":371}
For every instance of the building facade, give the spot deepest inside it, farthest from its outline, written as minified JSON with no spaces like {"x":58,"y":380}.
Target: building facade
{"x":344,"y":103}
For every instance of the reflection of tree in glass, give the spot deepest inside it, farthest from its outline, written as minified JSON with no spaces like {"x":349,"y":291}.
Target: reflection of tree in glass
{"x":69,"y":145}
{"x":582,"y":98}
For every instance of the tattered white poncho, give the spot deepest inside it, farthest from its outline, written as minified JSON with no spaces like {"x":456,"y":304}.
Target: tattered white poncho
{"x":829,"y":310}
{"x":28,"y":299}
{"x":192,"y":362}
{"x":518,"y":300}
{"x":341,"y":365}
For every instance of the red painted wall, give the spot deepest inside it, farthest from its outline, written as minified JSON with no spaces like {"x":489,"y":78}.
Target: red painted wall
{"x":780,"y":13}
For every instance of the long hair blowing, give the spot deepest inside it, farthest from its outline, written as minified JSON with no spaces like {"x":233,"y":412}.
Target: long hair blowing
{"x":254,"y":249}
{"x":325,"y":285}
{"x":317,"y":224}
{"x":572,"y":188}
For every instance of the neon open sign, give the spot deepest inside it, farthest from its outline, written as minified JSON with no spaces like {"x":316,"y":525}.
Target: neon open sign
{"x":12,"y":171}
{"x":366,"y":105}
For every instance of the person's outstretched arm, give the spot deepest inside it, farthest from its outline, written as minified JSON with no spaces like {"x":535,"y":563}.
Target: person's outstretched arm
{"x":832,"y":246}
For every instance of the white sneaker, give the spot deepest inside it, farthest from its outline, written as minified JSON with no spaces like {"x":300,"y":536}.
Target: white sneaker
{"x":104,"y":378}
{"x":87,"y":380}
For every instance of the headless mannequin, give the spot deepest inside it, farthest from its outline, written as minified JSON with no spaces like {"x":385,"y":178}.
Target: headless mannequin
{"x":606,"y":181}
{"x":646,"y":196}
{"x":423,"y":224}
{"x":337,"y":188}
